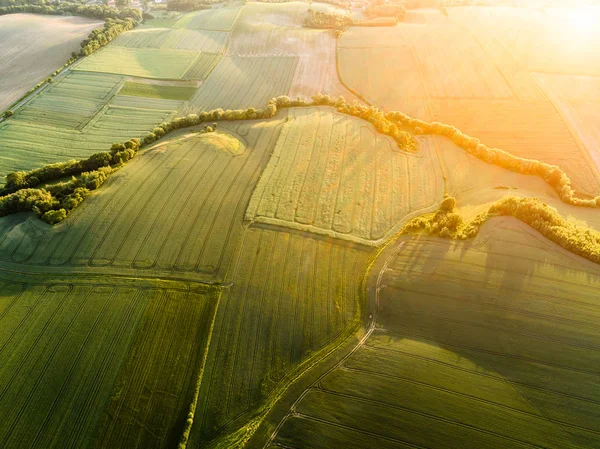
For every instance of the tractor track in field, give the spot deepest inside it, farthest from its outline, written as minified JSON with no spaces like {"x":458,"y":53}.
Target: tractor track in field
{"x":373,"y":286}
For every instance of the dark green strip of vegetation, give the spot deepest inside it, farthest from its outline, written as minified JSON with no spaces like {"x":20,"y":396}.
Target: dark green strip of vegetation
{"x":182,"y":93}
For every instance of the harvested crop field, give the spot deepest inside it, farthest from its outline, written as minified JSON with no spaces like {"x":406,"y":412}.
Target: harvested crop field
{"x":576,"y":99}
{"x":335,"y":175}
{"x":34,"y":46}
{"x":529,"y":130}
{"x":469,"y":73}
{"x":473,"y":340}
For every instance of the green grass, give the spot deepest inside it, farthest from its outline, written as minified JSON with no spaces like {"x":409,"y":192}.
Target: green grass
{"x":335,"y":175}
{"x":142,"y":62}
{"x":183,"y":39}
{"x":291,"y":296}
{"x":76,"y":117}
{"x":176,"y":209}
{"x":486,"y":345}
{"x":242,"y":82}
{"x":182,"y":93}
{"x":169,"y":348}
{"x":71,"y":102}
{"x":202,"y":67}
{"x":220,"y":19}
{"x":62,"y":345}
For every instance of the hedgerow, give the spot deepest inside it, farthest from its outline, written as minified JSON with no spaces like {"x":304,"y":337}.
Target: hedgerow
{"x":393,"y":124}
{"x":545,"y":219}
{"x":102,"y":12}
{"x":336,"y":21}
{"x":554,"y":176}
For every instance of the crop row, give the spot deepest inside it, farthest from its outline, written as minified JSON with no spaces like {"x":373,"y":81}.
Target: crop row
{"x":292,"y":295}
{"x":332,"y":173}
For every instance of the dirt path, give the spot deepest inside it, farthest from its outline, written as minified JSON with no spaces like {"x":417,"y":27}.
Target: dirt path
{"x":373,"y":287}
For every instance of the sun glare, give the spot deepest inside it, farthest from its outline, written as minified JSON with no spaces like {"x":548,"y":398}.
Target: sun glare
{"x":582,"y":20}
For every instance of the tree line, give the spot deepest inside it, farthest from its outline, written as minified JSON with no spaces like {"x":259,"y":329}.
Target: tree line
{"x":336,"y":21}
{"x":545,"y":219}
{"x":101,"y":12}
{"x":393,"y":124}
{"x":55,"y":201}
{"x":553,"y":175}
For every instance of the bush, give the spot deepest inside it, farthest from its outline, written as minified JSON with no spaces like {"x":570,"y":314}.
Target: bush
{"x":54,"y":216}
{"x":338,"y":22}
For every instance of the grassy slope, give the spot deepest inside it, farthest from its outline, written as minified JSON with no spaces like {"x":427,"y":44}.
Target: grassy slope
{"x":504,"y":357}
{"x":33,"y":47}
{"x":176,"y":210}
{"x":334,"y":175}
{"x":291,"y":296}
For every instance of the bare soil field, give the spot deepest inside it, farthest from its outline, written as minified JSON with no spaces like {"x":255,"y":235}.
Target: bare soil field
{"x":32,"y":47}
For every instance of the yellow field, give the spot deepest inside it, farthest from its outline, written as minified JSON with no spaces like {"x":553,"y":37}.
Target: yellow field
{"x":334,"y":175}
{"x":475,"y":70}
{"x":25,"y":44}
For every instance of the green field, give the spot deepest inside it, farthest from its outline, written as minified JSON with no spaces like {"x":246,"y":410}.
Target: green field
{"x":182,"y":93}
{"x":142,"y":62}
{"x":79,"y":115}
{"x":75,"y":345}
{"x":221,"y":19}
{"x":291,"y":296}
{"x":166,"y":38}
{"x":281,"y":281}
{"x":242,"y":82}
{"x":472,"y":341}
{"x":196,"y":186}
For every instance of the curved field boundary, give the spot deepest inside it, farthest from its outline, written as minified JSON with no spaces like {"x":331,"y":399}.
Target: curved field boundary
{"x":531,"y":401}
{"x":128,"y":230}
{"x":331,"y":175}
{"x":310,"y":301}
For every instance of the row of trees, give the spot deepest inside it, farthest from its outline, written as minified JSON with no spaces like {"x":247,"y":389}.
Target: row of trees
{"x":336,"y":21}
{"x":53,"y":203}
{"x":546,"y":220}
{"x":393,"y":124}
{"x":18,"y":193}
{"x":552,"y":175}
{"x":100,"y":37}
{"x":101,"y":12}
